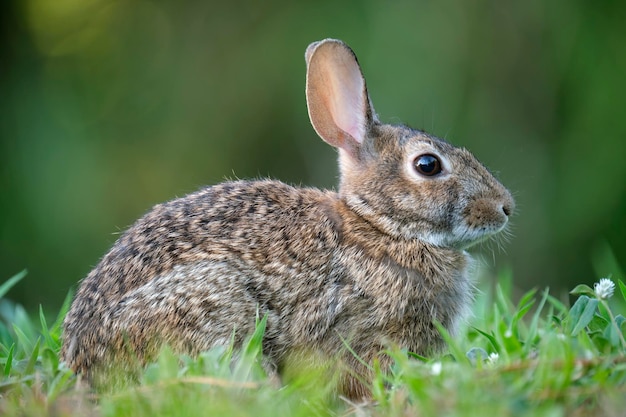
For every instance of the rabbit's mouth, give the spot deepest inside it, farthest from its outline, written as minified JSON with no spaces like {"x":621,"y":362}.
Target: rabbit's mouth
{"x":462,"y":237}
{"x":466,"y":236}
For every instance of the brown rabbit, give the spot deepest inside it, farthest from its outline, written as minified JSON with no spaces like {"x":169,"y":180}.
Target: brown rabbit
{"x":373,"y":265}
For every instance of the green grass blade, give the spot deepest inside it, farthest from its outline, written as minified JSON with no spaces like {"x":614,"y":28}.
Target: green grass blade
{"x":415,"y":356}
{"x":503,"y":303}
{"x":32,"y":361}
{"x":7,"y":285}
{"x":67,"y":302}
{"x":59,"y":384}
{"x":353,"y":353}
{"x":5,"y":335}
{"x":534,"y":323}
{"x":45,"y":331}
{"x":9,"y":363}
{"x":557,"y":304}
{"x":255,"y":343}
{"x":454,"y":347}
{"x":248,"y":363}
{"x":22,"y":319}
{"x":519,"y":314}
{"x":494,"y":343}
{"x":622,"y":288}
{"x":23,"y":340}
{"x":50,"y":359}
{"x":527,"y":298}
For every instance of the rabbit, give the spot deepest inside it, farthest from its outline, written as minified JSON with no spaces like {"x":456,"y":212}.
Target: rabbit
{"x":371,"y":265}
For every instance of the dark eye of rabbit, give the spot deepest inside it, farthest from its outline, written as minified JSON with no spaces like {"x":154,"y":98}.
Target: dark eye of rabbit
{"x":428,"y":165}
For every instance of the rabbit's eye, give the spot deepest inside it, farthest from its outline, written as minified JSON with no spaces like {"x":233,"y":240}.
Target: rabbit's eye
{"x":427,"y":164}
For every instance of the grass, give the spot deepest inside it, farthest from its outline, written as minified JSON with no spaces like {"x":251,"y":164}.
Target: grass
{"x":535,"y":357}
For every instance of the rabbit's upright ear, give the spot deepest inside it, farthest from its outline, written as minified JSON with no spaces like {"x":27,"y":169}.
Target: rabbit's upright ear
{"x":336,"y":94}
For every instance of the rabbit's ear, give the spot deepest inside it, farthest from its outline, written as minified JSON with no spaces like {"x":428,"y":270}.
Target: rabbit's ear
{"x":336,"y":94}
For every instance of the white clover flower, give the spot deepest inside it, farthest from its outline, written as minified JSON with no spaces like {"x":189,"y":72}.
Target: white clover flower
{"x":435,"y":368}
{"x":493,"y":358}
{"x":604,"y":288}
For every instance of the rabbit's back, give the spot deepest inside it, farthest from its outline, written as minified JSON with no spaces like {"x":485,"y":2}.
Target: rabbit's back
{"x":222,"y":245}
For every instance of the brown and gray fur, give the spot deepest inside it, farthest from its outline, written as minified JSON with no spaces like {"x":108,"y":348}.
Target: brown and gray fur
{"x":374,"y":264}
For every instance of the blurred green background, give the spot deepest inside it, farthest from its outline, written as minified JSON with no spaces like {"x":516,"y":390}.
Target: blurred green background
{"x":109,"y":107}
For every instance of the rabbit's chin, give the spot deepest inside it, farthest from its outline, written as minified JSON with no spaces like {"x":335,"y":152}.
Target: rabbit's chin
{"x":462,"y":237}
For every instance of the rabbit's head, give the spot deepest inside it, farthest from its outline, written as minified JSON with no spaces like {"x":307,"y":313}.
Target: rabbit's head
{"x":405,"y":182}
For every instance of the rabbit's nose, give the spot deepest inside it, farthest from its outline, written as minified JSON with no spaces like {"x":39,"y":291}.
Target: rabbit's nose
{"x":508,"y":206}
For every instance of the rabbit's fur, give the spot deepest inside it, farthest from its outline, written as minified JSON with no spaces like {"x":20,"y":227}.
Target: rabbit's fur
{"x":372,"y":265}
